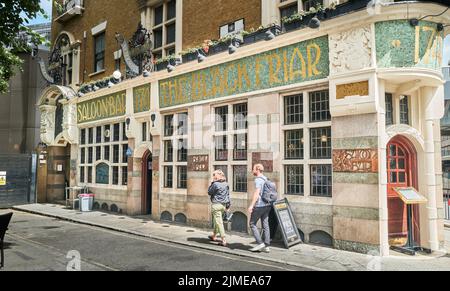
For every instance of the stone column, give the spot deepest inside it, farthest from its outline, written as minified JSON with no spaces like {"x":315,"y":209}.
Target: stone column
{"x":429,"y":127}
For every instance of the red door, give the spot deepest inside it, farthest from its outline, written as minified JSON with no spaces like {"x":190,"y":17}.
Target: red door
{"x":401,"y":170}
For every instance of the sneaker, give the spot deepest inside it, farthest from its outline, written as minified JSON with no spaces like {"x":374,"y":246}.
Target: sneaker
{"x":266,"y":250}
{"x":258,"y":248}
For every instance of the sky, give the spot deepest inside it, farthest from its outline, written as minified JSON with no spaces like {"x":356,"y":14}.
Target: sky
{"x":47,"y":5}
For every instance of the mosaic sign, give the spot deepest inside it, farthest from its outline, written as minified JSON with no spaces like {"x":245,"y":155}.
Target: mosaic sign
{"x":141,"y":98}
{"x":103,"y":107}
{"x":266,"y":159}
{"x":304,"y":61}
{"x":352,"y":89}
{"x":355,"y":161}
{"x":400,"y":44}
{"x":198,"y":163}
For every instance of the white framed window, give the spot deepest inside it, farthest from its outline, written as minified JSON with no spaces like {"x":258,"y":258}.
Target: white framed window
{"x":306,"y":143}
{"x":103,"y":156}
{"x":175,"y":150}
{"x":397,"y":109}
{"x":99,"y":52}
{"x":230,"y":140}
{"x":163,"y":27}
{"x":232,"y":28}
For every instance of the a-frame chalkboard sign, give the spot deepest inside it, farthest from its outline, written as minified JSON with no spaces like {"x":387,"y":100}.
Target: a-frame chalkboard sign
{"x":289,"y":230}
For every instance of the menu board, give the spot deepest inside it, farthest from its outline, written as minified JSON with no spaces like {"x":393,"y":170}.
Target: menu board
{"x":289,"y":230}
{"x":410,"y":195}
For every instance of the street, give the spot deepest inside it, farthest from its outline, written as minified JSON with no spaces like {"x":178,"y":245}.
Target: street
{"x":37,"y":243}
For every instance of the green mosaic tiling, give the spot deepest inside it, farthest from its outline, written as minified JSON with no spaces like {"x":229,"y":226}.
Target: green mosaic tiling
{"x":399,"y":44}
{"x":112,"y":105}
{"x":141,"y":98}
{"x":304,"y":61}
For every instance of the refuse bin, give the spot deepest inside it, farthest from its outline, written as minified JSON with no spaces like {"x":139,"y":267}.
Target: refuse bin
{"x":86,"y":202}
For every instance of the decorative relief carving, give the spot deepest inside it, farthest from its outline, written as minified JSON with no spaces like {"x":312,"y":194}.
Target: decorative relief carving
{"x":355,"y":161}
{"x":352,"y":89}
{"x":47,"y":123}
{"x":199,"y":163}
{"x":351,"y":50}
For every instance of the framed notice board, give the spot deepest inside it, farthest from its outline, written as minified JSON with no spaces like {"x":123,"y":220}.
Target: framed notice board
{"x":410,"y":195}
{"x":289,"y":230}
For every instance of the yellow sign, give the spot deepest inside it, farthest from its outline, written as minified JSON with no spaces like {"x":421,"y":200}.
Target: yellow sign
{"x":141,"y":98}
{"x":2,"y":178}
{"x":103,"y":107}
{"x":352,"y":89}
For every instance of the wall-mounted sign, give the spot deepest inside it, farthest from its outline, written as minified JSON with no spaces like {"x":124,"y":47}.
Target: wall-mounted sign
{"x":398,"y":44}
{"x":2,"y":178}
{"x":300,"y":62}
{"x":291,"y":235}
{"x":103,"y":107}
{"x":352,"y":89}
{"x":199,"y":163}
{"x":266,"y":159}
{"x":141,"y":98}
{"x":355,"y":161}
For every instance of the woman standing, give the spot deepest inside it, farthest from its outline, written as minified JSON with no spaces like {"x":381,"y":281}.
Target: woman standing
{"x":219,"y":192}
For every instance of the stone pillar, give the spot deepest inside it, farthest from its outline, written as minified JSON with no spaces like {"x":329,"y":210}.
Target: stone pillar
{"x":429,"y":127}
{"x":198,"y":210}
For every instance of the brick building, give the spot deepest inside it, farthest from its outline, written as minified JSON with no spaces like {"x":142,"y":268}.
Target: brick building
{"x":342,"y":107}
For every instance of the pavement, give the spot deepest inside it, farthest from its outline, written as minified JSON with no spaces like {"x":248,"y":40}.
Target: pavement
{"x":305,"y":256}
{"x":40,"y":243}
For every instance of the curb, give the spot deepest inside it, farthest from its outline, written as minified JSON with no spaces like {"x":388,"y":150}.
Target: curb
{"x":221,"y":250}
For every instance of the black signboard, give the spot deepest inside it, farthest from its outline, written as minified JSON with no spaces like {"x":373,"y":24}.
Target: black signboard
{"x":289,"y":230}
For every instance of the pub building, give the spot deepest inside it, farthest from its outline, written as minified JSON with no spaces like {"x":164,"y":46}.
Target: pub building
{"x":340,"y":115}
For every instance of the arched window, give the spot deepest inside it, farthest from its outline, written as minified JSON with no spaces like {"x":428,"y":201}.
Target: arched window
{"x":166,"y":216}
{"x":181,"y":218}
{"x":239,"y":222}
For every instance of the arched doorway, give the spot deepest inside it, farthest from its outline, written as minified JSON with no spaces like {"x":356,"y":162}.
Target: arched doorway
{"x":147,"y":174}
{"x":401,"y":172}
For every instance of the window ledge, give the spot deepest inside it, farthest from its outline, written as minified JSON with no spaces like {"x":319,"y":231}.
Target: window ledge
{"x":97,"y":73}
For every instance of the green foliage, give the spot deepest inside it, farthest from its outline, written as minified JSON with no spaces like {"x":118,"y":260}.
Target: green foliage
{"x":14,"y":15}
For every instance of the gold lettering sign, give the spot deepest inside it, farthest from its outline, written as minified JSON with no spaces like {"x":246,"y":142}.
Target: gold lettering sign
{"x":352,"y":89}
{"x":103,"y":107}
{"x":141,"y":98}
{"x":355,"y":161}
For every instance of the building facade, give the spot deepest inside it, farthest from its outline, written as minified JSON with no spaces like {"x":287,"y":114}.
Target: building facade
{"x":20,"y":126}
{"x":340,"y":113}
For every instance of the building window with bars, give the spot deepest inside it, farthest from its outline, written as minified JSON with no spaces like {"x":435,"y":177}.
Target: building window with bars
{"x":307,"y":142}
{"x":321,"y":180}
{"x":97,"y":164}
{"x":320,"y":143}
{"x":294,"y":179}
{"x":240,"y":178}
{"x":164,"y":29}
{"x":231,"y":143}
{"x":175,"y":148}
{"x":99,"y":52}
{"x":319,"y":104}
{"x":293,"y":108}
{"x":404,"y":110}
{"x":389,"y":109}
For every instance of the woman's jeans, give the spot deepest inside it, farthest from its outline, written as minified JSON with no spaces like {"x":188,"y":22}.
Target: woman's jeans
{"x":217,"y":212}
{"x":263,"y":214}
